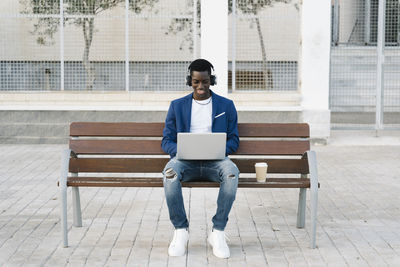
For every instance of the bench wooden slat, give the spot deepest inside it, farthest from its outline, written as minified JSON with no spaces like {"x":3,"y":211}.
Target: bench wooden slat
{"x":300,"y":130}
{"x":138,"y":129}
{"x":122,"y":147}
{"x":275,"y":147}
{"x":153,"y":147}
{"x":155,"y":179}
{"x":274,"y":165}
{"x":130,"y":165}
{"x":157,"y":182}
{"x":114,"y":129}
{"x":122,"y":165}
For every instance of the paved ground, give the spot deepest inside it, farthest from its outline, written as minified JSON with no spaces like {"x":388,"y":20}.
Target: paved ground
{"x":358,"y":220}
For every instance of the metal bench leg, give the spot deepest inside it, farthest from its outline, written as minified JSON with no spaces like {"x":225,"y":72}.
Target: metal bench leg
{"x":76,"y":204}
{"x":314,"y":207}
{"x":63,"y":195}
{"x":312,"y":160}
{"x":301,"y":210}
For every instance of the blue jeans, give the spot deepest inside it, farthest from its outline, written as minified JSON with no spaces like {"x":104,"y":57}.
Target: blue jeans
{"x":223,"y":171}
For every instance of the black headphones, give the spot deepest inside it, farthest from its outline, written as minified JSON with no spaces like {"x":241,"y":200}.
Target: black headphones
{"x":213,"y":77}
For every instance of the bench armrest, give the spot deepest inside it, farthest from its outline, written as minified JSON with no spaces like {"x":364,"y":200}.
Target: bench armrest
{"x":64,"y":167}
{"x":312,"y":166}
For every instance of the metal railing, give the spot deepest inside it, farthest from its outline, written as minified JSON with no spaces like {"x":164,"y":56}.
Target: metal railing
{"x":365,"y":64}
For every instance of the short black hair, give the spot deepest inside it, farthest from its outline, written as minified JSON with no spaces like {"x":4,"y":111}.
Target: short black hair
{"x":200,"y":65}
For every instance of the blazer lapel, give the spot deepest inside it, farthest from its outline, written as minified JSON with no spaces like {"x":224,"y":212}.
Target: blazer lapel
{"x":188,"y":111}
{"x":214,"y":108}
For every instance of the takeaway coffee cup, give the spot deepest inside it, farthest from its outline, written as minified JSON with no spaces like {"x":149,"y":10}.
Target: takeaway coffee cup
{"x":261,"y":171}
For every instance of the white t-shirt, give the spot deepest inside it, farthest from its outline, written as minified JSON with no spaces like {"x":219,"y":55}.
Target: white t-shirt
{"x":201,"y":116}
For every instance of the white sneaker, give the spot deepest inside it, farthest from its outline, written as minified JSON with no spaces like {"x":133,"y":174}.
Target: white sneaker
{"x":217,"y":240}
{"x":178,"y":243}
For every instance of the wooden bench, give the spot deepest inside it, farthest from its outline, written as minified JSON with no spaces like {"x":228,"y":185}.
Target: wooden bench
{"x":135,"y":148}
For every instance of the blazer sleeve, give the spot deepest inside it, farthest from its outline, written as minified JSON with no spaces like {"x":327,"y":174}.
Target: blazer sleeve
{"x":168,"y":143}
{"x":232,"y":142}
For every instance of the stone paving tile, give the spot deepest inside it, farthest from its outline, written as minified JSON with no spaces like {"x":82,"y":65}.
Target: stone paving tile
{"x":358,"y":217}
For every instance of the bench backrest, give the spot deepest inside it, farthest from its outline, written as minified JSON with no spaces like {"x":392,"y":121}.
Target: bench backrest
{"x":286,"y":141}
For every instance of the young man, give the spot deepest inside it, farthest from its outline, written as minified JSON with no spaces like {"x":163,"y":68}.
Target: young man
{"x":200,"y":112}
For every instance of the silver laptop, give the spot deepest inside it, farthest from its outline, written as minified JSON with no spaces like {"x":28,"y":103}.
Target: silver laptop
{"x":201,"y":146}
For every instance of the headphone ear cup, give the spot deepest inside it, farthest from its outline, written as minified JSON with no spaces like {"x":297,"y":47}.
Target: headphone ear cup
{"x":189,"y":80}
{"x":213,"y":80}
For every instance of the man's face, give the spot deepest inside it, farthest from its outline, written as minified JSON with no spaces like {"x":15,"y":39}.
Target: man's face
{"x":201,"y":85}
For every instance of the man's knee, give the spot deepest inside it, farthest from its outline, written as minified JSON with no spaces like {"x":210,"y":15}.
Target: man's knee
{"x":231,"y":170}
{"x":230,"y":174}
{"x":170,"y":173}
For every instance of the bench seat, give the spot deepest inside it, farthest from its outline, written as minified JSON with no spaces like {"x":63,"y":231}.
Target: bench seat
{"x":158,"y":182}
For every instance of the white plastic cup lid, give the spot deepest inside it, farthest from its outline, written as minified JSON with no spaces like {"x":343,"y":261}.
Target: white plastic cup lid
{"x":261,"y":164}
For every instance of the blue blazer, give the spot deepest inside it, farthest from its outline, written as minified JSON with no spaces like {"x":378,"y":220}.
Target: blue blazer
{"x":224,"y":120}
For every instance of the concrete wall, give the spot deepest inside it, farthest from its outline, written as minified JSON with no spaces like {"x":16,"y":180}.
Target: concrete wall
{"x":45,"y":117}
{"x":280,"y":25}
{"x":52,"y":126}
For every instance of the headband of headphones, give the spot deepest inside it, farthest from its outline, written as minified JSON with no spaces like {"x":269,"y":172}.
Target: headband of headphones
{"x":213,"y":78}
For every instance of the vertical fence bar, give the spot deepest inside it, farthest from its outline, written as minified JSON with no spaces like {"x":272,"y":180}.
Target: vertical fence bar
{"x":335,"y":26}
{"x":127,"y":45}
{"x":367,"y":22}
{"x":398,"y":25}
{"x":194,"y":26}
{"x":380,"y":62}
{"x":233,"y":76}
{"x":62,"y":45}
